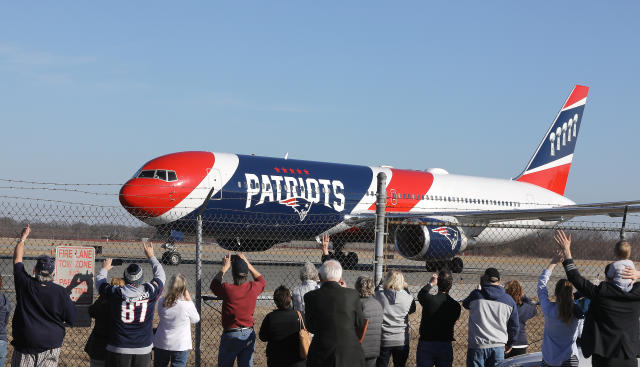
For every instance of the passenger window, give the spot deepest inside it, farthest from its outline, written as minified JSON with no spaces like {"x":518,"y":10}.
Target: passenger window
{"x":172,"y":176}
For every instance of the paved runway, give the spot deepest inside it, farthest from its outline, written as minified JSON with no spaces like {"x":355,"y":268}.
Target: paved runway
{"x":280,"y":265}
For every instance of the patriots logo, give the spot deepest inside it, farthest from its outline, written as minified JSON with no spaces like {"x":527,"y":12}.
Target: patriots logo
{"x":299,"y":205}
{"x":450,"y":233}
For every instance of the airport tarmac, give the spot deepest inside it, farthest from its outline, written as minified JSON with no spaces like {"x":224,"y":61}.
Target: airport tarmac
{"x":280,"y":265}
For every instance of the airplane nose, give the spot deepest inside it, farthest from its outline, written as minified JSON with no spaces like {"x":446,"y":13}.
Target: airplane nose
{"x":163,"y":183}
{"x":143,"y":200}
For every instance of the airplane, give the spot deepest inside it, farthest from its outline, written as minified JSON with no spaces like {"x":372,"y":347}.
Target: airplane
{"x":251,"y":203}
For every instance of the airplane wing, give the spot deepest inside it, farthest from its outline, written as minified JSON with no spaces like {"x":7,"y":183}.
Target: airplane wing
{"x":559,"y":213}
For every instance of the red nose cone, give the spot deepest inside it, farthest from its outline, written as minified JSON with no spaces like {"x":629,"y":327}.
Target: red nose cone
{"x":146,"y":197}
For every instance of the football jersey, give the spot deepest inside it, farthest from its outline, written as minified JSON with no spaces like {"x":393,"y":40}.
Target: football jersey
{"x":131,"y":313}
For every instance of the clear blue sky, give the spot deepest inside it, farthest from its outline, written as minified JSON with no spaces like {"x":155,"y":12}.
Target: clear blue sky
{"x":90,"y":91}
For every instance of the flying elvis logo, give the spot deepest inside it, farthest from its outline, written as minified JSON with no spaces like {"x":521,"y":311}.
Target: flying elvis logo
{"x":299,"y":205}
{"x":450,"y":233}
{"x":297,"y":193}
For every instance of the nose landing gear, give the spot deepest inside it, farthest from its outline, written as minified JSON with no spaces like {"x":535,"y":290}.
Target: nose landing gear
{"x":172,"y":255}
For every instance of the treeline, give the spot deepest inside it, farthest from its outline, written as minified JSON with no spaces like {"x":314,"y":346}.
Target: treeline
{"x":586,"y":244}
{"x":75,"y":231}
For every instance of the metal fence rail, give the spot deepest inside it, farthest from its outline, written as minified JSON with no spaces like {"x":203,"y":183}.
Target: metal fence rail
{"x":277,"y":246}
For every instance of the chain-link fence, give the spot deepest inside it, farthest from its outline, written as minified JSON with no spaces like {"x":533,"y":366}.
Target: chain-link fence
{"x":278,"y":245}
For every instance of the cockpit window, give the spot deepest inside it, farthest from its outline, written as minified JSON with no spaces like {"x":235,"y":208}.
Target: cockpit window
{"x":147,"y":174}
{"x":160,"y":174}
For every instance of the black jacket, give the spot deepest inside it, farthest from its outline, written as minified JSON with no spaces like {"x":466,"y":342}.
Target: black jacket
{"x":280,"y":330}
{"x":611,"y":326}
{"x":99,"y":337}
{"x":333,"y":314}
{"x":440,"y":313}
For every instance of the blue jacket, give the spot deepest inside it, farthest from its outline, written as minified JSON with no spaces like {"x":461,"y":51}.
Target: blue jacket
{"x":559,"y":338}
{"x":493,"y":317}
{"x":526,"y":311}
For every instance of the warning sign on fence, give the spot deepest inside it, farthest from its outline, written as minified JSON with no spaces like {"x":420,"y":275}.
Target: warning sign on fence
{"x":74,"y":271}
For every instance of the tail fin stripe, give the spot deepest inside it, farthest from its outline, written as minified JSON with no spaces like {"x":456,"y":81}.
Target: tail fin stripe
{"x":559,"y":162}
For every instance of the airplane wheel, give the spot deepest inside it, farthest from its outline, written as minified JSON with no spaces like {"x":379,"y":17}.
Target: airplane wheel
{"x":175,"y":258}
{"x":171,"y":258}
{"x":457,"y":265}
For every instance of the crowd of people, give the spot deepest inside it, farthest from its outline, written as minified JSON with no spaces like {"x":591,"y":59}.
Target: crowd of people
{"x":367,"y":325}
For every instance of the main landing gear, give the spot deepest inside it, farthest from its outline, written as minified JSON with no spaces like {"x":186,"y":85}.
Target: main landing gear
{"x":348,"y":260}
{"x":172,"y":255}
{"x":455,"y":265}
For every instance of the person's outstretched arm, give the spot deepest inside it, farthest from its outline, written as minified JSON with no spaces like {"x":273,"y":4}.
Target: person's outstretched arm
{"x":585,"y":287}
{"x":216,"y":282}
{"x":18,"y":252}
{"x":254,"y":273}
{"x":158,"y":270}
{"x":543,"y":292}
{"x":101,"y":277}
{"x":326,"y":255}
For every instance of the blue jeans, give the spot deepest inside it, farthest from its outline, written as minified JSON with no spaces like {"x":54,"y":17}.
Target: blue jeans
{"x":484,"y":357}
{"x":162,"y":357}
{"x":3,"y":352}
{"x":436,"y":353}
{"x":237,"y":344}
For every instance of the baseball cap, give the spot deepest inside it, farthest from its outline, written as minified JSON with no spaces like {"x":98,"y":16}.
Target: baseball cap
{"x":133,"y":274}
{"x":45,"y":264}
{"x":239,"y":266}
{"x":492,"y":275}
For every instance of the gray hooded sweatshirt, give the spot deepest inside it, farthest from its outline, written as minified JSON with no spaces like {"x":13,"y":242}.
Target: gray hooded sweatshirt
{"x":396,"y":307}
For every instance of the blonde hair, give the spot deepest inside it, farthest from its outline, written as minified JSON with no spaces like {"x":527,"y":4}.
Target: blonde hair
{"x":622,"y":250}
{"x":394,"y":280}
{"x":177,"y":288}
{"x":115,"y":281}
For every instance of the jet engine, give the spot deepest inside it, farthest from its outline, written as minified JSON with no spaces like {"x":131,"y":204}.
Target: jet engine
{"x":418,"y":241}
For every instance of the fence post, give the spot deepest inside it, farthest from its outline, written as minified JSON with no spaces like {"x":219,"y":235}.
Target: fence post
{"x":198,"y":286}
{"x":199,"y":275}
{"x":624,"y":222}
{"x":378,"y":261}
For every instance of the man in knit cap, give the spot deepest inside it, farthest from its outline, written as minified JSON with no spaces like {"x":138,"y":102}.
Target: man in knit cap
{"x":42,"y":310}
{"x":131,"y":311}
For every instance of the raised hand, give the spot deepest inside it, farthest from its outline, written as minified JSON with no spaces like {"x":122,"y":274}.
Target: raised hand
{"x":564,"y":243}
{"x":25,"y":233}
{"x":434,"y":279}
{"x":325,"y":244}
{"x":106,"y":264}
{"x":558,"y":257}
{"x":243,"y":257}
{"x":148,"y":249}
{"x":226,"y":263}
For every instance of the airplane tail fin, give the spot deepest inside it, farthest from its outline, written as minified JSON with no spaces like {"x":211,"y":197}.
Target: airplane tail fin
{"x":549,"y":167}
